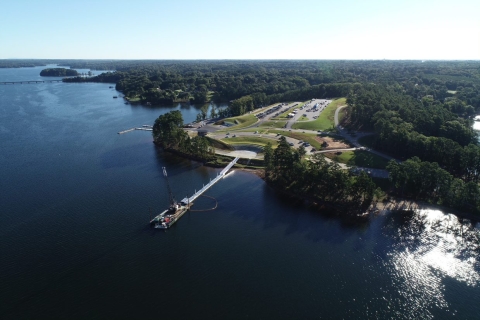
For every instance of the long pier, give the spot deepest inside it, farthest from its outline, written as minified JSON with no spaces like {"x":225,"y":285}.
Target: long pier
{"x":168,"y":217}
{"x":143,"y":128}
{"x":220,"y":175}
{"x":29,"y":81}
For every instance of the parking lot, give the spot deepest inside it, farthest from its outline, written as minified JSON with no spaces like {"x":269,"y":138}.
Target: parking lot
{"x":275,"y":111}
{"x":310,"y":110}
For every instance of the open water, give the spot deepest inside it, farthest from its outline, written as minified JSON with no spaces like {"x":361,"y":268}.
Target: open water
{"x":75,"y":241}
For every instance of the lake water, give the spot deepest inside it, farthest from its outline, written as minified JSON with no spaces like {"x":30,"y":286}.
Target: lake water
{"x":75,"y":241}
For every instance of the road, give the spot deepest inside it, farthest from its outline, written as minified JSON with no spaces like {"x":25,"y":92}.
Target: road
{"x":354,"y":139}
{"x":379,"y":173}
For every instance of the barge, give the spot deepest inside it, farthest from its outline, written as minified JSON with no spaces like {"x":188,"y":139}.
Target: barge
{"x":168,"y":217}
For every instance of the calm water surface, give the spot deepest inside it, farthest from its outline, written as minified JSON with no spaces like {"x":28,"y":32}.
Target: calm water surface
{"x":75,"y":241}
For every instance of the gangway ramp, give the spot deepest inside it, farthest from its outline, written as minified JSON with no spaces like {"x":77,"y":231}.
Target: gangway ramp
{"x":219,"y":176}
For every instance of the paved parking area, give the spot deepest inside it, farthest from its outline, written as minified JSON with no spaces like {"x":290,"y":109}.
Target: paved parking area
{"x":311,"y":110}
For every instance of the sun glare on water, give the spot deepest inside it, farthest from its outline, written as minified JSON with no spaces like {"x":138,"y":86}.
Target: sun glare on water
{"x":432,"y":246}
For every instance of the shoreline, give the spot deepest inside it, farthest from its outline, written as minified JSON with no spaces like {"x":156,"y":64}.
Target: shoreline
{"x":381,"y":207}
{"x":375,"y":208}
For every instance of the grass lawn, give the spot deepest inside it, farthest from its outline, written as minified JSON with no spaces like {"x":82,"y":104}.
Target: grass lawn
{"x":241,"y":121}
{"x":258,"y":141}
{"x":325,"y":121}
{"x":303,"y":118}
{"x":359,"y":158}
{"x":135,"y":99}
{"x":273,"y":124}
{"x":259,"y":130}
{"x":219,"y":144}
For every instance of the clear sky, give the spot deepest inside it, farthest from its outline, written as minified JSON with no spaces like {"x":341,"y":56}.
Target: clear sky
{"x":247,"y":29}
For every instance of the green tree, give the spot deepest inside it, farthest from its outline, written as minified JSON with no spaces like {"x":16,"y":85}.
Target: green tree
{"x":268,"y":159}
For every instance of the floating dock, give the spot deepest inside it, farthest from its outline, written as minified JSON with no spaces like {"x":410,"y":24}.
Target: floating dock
{"x":145,"y":127}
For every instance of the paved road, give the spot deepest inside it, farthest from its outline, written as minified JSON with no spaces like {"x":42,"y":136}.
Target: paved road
{"x":379,"y":173}
{"x":358,"y":135}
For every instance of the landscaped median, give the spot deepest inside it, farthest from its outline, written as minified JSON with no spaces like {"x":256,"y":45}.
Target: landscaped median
{"x":325,"y":121}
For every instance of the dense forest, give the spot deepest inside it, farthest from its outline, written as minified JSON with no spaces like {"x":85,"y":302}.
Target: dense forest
{"x":169,"y":134}
{"x":317,"y":180}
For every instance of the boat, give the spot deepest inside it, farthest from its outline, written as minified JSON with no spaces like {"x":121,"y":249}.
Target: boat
{"x":477,"y":118}
{"x":115,"y":97}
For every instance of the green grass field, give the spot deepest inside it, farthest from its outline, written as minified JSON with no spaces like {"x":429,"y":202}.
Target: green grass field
{"x":325,"y":121}
{"x":136,"y":99}
{"x":258,"y":141}
{"x":240,"y":122}
{"x":273,"y":124}
{"x":303,"y":118}
{"x":359,"y":158}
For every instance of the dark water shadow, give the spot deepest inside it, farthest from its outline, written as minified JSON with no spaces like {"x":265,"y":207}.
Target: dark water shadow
{"x":123,"y":156}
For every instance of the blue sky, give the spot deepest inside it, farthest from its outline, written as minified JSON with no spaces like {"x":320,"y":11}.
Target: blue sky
{"x":211,"y":29}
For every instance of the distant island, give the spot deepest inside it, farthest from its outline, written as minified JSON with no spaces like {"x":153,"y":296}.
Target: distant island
{"x":58,"y":72}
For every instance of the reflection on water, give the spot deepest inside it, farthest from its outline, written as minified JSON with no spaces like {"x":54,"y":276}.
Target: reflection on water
{"x":429,"y":246}
{"x":476,"y":125}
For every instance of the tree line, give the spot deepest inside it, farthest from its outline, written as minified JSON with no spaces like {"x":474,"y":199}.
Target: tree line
{"x":316,"y":179}
{"x":164,"y":82}
{"x":428,"y":181}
